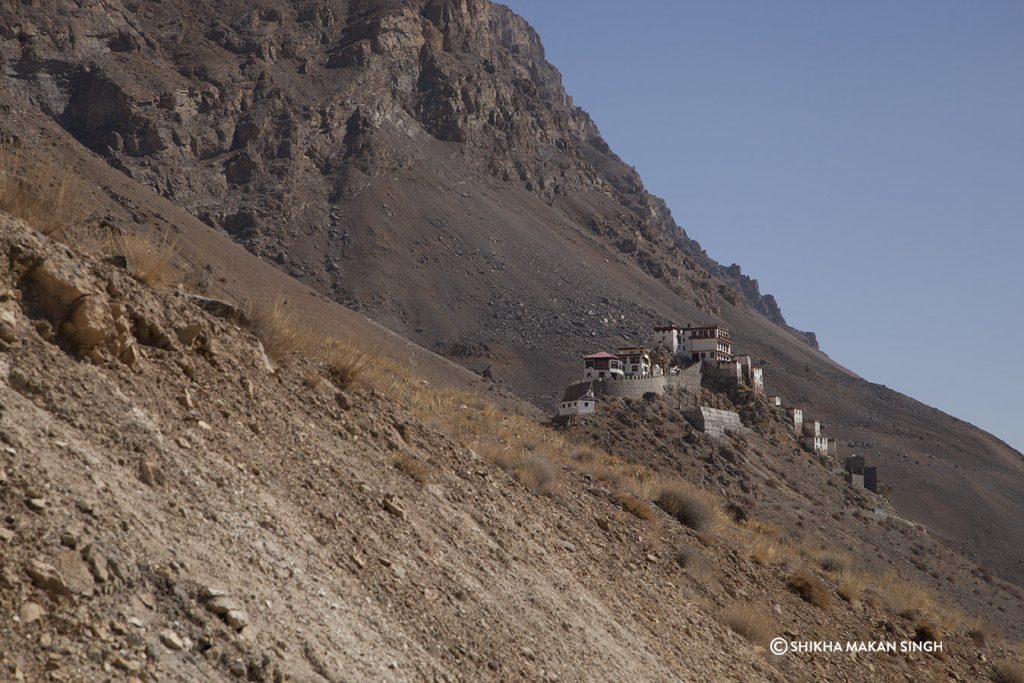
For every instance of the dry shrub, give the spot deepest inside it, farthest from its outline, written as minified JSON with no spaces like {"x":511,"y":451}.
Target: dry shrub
{"x":539,"y":475}
{"x":835,"y":563}
{"x":749,"y":622}
{"x":809,"y":587}
{"x":1008,"y":672}
{"x":414,"y":467}
{"x":345,"y":363}
{"x":850,"y":585}
{"x":927,"y":632}
{"x":280,"y":333}
{"x":635,"y":506}
{"x":150,"y":261}
{"x":764,"y":551}
{"x":47,"y":196}
{"x":908,"y":600}
{"x":690,"y":506}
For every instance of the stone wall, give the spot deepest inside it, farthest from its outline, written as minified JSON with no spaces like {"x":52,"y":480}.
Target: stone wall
{"x":714,"y":422}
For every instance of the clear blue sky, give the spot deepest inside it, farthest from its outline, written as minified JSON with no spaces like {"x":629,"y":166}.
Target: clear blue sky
{"x":863,"y":159}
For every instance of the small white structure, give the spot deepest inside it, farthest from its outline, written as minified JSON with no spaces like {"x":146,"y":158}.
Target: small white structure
{"x":636,"y":360}
{"x":754,"y":377}
{"x":669,"y":336}
{"x":775,"y":401}
{"x":833,"y":448}
{"x":707,"y":342}
{"x":603,"y":366}
{"x":757,"y":380}
{"x":796,"y":416}
{"x":812,"y":428}
{"x":578,"y":399}
{"x":815,"y":444}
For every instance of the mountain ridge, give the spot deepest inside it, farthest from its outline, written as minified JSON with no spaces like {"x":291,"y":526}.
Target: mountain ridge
{"x":420,"y":162}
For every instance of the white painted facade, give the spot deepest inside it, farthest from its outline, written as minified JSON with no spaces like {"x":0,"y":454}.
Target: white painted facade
{"x":709,"y":342}
{"x":603,"y":366}
{"x":797,"y":417}
{"x":815,"y":444}
{"x":668,"y":336}
{"x":636,"y":360}
{"x":584,"y":405}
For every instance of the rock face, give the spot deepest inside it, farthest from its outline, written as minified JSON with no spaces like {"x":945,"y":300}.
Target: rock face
{"x":355,"y":142}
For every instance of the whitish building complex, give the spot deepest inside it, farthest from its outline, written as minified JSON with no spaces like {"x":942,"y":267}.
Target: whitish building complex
{"x":602,"y":366}
{"x":636,"y":360}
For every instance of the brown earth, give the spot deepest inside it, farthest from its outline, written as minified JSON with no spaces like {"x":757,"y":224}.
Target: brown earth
{"x":177,"y":507}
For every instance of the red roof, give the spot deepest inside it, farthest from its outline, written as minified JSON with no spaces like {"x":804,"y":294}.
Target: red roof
{"x":600,"y":354}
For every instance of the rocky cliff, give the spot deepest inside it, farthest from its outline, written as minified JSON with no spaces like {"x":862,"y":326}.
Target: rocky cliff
{"x":268,"y":121}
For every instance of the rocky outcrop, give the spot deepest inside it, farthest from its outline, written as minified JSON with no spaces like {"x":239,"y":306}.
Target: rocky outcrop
{"x":266,"y":117}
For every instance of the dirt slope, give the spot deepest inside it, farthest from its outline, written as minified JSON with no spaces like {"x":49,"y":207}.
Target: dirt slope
{"x":177,"y":508}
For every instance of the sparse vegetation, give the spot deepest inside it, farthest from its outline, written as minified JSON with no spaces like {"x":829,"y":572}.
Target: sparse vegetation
{"x":414,"y":467}
{"x":749,"y":622}
{"x":150,"y":261}
{"x":850,"y":586}
{"x":283,"y":338}
{"x":908,"y":600}
{"x":809,"y":587}
{"x":635,"y":506}
{"x":690,"y":506}
{"x":539,"y":475}
{"x":45,"y":195}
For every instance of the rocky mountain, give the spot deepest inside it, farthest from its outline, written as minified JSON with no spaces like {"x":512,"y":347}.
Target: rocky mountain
{"x":420,"y":163}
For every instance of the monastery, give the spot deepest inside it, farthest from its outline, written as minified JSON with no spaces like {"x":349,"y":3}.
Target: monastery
{"x":692,"y":357}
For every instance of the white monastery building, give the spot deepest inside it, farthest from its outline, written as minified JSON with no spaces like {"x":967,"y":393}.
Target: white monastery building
{"x":708,"y":342}
{"x":636,"y":360}
{"x":603,"y":366}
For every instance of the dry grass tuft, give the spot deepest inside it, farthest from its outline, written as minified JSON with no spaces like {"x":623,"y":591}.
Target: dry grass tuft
{"x":809,"y":587}
{"x":414,"y":467}
{"x":150,"y":261}
{"x":277,"y":329}
{"x":927,"y":632}
{"x":346,"y":365}
{"x":635,"y":506}
{"x":689,"y":505}
{"x":45,"y":195}
{"x":539,"y":475}
{"x":908,"y":600}
{"x":750,"y":623}
{"x":765,"y":552}
{"x":850,"y":585}
{"x":835,"y":563}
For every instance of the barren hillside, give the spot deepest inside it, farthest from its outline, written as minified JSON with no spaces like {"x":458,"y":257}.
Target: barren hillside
{"x":180,"y":506}
{"x":420,"y":162}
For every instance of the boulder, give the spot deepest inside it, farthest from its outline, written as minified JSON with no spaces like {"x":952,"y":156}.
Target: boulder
{"x":91,"y":322}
